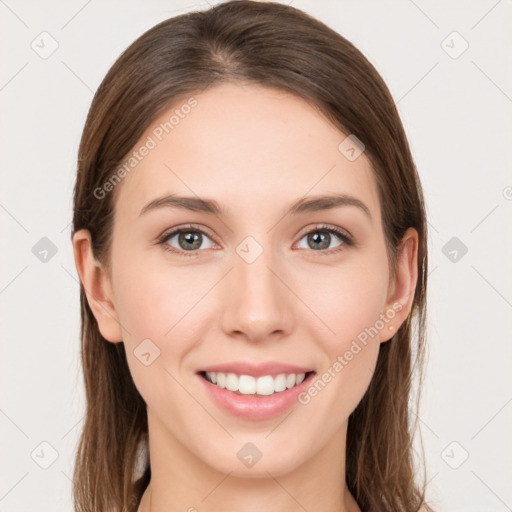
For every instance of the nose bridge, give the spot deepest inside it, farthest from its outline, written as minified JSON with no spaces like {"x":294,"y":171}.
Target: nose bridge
{"x":256,"y":303}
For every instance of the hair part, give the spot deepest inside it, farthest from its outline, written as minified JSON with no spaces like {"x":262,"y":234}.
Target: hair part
{"x":281,"y":47}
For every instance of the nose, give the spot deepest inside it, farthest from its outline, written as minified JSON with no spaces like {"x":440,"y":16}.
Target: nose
{"x":258,"y":305}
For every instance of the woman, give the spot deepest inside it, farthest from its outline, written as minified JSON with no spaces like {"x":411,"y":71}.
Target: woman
{"x":250,"y":235}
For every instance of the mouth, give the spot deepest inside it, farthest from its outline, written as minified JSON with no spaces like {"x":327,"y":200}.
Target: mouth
{"x":254,"y":391}
{"x":259,"y":386}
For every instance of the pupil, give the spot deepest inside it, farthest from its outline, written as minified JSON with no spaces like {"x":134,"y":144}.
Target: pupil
{"x":317,"y":237}
{"x":191,"y":238}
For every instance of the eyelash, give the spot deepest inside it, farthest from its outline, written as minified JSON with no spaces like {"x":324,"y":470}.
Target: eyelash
{"x":346,"y":239}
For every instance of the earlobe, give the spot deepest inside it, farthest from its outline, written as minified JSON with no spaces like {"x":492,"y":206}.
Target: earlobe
{"x":97,"y":287}
{"x":402,"y":285}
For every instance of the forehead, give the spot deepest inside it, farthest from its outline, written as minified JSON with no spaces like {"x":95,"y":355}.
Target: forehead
{"x":249,"y":147}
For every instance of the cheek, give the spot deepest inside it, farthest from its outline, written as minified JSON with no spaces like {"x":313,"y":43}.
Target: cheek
{"x":351,"y":309}
{"x":350,"y":302}
{"x":152,"y":309}
{"x":155,"y":300}
{"x":347,"y":301}
{"x":144,"y":306}
{"x":162,"y":311}
{"x":151,"y":306}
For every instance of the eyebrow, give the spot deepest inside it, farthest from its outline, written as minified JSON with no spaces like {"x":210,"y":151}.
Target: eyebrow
{"x":304,"y":205}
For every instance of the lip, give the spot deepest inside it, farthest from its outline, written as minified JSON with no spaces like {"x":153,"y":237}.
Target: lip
{"x":255,"y":407}
{"x":273,"y":368}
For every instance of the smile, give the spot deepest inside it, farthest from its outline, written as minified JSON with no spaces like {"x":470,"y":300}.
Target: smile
{"x":248,"y":385}
{"x":259,"y":396}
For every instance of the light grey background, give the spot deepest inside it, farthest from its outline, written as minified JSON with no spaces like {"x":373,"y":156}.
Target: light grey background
{"x":457,"y":113}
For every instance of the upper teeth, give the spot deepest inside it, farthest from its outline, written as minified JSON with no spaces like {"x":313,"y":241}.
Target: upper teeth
{"x":248,"y":385}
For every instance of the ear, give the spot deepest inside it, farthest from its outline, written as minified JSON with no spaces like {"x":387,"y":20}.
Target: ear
{"x":97,"y":287}
{"x":402,"y":285}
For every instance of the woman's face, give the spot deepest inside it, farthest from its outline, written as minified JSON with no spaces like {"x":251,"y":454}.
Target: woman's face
{"x":245,"y":290}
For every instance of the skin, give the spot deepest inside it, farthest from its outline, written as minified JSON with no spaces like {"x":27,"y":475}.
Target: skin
{"x":255,"y":151}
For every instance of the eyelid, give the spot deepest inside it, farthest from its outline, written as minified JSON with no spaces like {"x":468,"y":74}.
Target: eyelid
{"x":328,"y":227}
{"x":184,"y":227}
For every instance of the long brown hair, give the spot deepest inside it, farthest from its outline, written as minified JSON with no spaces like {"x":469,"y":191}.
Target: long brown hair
{"x":277,"y":46}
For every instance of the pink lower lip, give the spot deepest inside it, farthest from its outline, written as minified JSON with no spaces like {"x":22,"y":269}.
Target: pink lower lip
{"x":255,"y":407}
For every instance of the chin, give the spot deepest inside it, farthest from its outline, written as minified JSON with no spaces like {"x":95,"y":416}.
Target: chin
{"x":277,"y":463}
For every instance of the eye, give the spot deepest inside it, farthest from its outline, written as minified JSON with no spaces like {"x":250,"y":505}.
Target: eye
{"x":321,"y":237}
{"x":186,"y":239}
{"x":191,"y":239}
